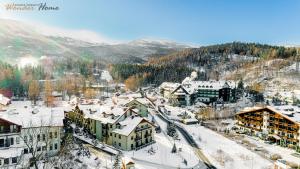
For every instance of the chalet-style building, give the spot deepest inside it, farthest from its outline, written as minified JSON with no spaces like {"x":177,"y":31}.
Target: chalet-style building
{"x":133,"y":133}
{"x":118,"y":122}
{"x":280,"y":124}
{"x":140,"y":105}
{"x":24,"y":129}
{"x":189,"y":92}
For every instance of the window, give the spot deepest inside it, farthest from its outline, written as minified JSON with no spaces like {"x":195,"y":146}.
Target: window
{"x":50,"y":135}
{"x":51,"y":147}
{"x":6,"y":161}
{"x":14,"y":160}
{"x":1,"y":142}
{"x":119,"y":136}
{"x":115,"y":135}
{"x":39,"y":149}
{"x":25,"y":139}
{"x":25,"y":150}
{"x":38,"y":137}
{"x":30,"y":138}
{"x":55,"y":146}
{"x":44,"y":137}
{"x":31,"y":150}
{"x":110,"y":134}
{"x":18,"y":140}
{"x":11,"y":141}
{"x":119,"y":144}
{"x":131,"y":137}
{"x":55,"y":134}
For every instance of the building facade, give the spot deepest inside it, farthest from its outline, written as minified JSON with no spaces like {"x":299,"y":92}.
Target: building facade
{"x":107,"y":121}
{"x":190,"y":92}
{"x":280,"y":125}
{"x":26,"y":131}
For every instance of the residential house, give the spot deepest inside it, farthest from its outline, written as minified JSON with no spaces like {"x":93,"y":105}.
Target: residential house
{"x":133,"y":133}
{"x":25,"y":128}
{"x":280,"y":124}
{"x":101,"y":119}
{"x":190,"y":92}
{"x":140,"y":104}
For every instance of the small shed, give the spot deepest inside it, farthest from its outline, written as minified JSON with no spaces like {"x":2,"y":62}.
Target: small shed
{"x":127,"y":163}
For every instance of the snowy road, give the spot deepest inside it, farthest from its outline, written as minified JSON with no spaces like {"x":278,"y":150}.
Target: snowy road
{"x":190,"y":141}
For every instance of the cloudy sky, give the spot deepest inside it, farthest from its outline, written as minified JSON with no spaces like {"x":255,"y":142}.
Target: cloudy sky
{"x":189,"y":21}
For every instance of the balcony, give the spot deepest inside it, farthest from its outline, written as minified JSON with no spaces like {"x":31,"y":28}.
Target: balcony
{"x":138,"y":138}
{"x":144,"y":145}
{"x":8,"y":130}
{"x":138,"y":129}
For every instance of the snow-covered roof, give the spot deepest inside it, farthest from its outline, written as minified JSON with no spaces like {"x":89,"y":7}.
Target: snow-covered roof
{"x":192,"y":86}
{"x":107,"y":114}
{"x":169,"y":86}
{"x":288,"y":111}
{"x":26,"y":115}
{"x":129,"y":124}
{"x":143,"y":101}
{"x":4,"y":100}
{"x":105,"y":75}
{"x":57,"y":94}
{"x":127,"y":161}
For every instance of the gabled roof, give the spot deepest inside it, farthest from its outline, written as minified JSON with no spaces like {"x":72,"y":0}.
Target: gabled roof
{"x":182,"y":88}
{"x":130,"y":124}
{"x":281,"y":110}
{"x":4,"y":100}
{"x":138,"y":100}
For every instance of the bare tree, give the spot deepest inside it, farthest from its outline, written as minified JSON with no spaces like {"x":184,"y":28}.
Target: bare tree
{"x":38,"y":140}
{"x":90,"y":93}
{"x":34,"y":90}
{"x":49,"y":99}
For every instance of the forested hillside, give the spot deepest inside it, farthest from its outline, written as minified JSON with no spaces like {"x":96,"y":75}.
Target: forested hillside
{"x":211,"y":62}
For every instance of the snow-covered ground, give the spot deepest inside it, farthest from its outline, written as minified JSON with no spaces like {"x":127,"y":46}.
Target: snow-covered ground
{"x":161,"y":156}
{"x":105,"y":75}
{"x":225,"y":153}
{"x":285,"y":153}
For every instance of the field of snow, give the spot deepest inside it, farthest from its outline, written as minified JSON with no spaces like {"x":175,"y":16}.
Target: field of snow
{"x":161,"y":156}
{"x":224,"y":153}
{"x":285,"y":153}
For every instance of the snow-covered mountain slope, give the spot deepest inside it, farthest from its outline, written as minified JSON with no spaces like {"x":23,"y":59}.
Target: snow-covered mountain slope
{"x":19,"y":39}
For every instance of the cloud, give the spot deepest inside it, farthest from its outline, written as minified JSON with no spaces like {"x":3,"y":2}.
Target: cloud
{"x":84,"y":35}
{"x":42,"y":28}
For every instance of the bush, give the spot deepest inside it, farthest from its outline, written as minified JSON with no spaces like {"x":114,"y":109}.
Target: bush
{"x":275,"y":157}
{"x":245,"y":142}
{"x":291,"y":146}
{"x":292,"y":165}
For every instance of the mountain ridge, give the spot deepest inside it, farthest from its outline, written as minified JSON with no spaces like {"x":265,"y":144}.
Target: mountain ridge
{"x":19,"y":39}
